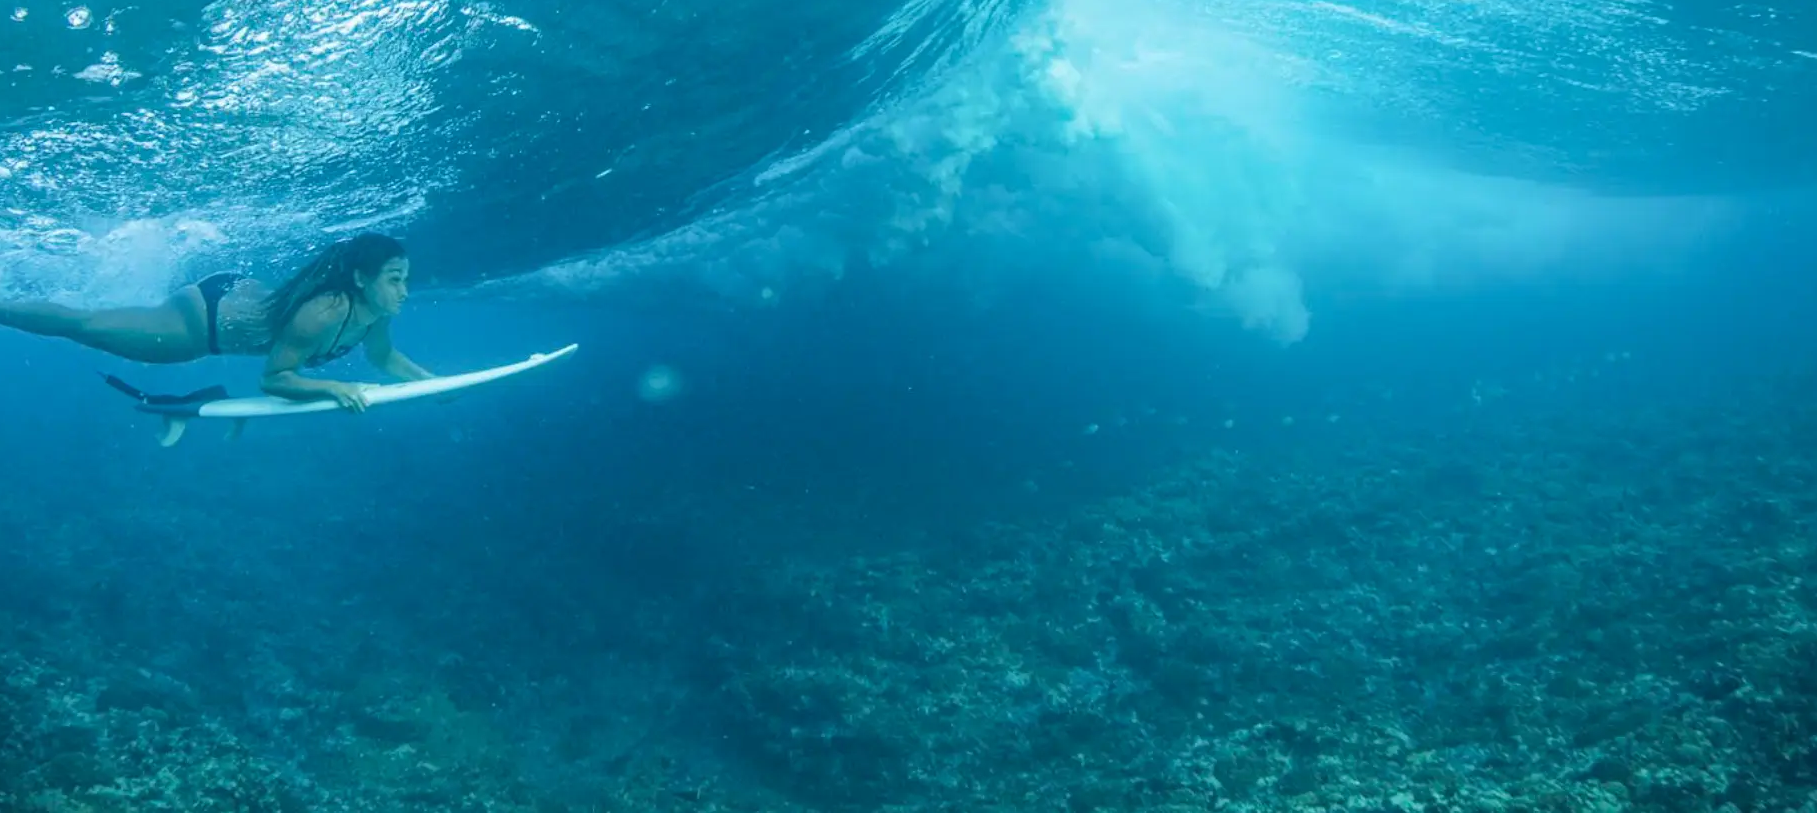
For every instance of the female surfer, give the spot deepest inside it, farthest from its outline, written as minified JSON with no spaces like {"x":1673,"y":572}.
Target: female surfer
{"x":343,"y":298}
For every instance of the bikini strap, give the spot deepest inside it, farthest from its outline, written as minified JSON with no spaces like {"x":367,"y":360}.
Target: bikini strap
{"x":345,"y":320}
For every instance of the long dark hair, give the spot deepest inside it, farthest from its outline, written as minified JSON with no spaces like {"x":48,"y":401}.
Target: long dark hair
{"x":336,"y":270}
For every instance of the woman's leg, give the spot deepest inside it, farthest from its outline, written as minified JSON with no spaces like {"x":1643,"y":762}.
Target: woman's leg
{"x":164,"y":334}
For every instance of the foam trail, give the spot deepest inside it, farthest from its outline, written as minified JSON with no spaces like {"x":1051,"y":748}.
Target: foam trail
{"x":134,"y":262}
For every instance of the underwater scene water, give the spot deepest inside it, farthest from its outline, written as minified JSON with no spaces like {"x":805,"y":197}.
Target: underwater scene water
{"x":1386,"y":406}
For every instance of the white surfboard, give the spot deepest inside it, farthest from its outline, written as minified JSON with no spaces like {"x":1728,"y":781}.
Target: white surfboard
{"x":178,"y":412}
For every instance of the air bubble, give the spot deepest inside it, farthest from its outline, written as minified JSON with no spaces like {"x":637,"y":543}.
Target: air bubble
{"x":659,"y":384}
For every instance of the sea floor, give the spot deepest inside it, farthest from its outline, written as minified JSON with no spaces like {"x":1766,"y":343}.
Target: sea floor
{"x":1570,"y":610}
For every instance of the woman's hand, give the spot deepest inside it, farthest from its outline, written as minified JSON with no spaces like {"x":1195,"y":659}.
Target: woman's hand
{"x":349,"y":396}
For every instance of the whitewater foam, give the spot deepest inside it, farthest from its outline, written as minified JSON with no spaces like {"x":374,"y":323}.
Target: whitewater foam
{"x":1156,"y":138}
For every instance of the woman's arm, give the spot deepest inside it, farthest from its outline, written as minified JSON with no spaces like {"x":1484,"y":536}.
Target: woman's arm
{"x":386,"y":357}
{"x":292,"y":346}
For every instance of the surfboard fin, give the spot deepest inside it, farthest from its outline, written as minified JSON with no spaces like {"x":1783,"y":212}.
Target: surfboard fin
{"x":237,"y":429}
{"x":173,"y":430}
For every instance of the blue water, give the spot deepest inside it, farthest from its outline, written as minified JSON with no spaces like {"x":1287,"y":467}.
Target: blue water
{"x":1042,"y":404}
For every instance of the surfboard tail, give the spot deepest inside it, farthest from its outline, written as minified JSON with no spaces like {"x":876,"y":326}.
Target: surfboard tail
{"x":175,"y":410}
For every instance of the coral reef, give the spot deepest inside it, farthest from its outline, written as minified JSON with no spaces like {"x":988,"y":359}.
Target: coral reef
{"x":1615,"y":617}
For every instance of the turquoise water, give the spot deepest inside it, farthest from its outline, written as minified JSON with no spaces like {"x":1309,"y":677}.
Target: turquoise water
{"x":980,"y":405}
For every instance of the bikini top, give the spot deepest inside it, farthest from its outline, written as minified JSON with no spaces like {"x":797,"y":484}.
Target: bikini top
{"x":335,"y":350}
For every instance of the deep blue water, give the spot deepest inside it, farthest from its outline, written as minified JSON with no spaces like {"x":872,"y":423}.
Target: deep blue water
{"x":919,"y":269}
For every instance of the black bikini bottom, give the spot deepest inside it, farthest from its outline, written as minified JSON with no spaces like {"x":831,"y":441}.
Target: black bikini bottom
{"x":213,"y":287}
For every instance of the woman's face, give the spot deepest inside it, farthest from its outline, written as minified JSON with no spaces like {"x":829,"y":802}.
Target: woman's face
{"x":388,"y":289}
